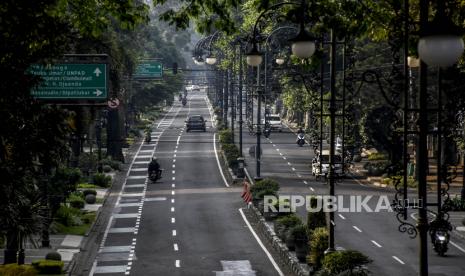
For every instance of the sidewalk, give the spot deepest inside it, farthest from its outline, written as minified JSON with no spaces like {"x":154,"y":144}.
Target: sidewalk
{"x":67,"y":245}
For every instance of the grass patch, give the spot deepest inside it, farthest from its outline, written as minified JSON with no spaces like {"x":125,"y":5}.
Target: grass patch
{"x":99,"y":200}
{"x":72,"y":230}
{"x":88,"y":186}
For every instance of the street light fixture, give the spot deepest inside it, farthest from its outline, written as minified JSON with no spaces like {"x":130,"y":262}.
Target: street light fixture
{"x":254,"y":57}
{"x":303,"y":45}
{"x":211,"y":60}
{"x":280,"y":61}
{"x":441,"y":43}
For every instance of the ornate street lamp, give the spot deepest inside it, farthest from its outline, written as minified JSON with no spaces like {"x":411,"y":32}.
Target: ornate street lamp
{"x":254,"y":57}
{"x":303,"y":45}
{"x":441,"y":42}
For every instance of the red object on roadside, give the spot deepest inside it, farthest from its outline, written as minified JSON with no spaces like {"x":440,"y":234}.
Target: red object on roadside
{"x":246,"y":194}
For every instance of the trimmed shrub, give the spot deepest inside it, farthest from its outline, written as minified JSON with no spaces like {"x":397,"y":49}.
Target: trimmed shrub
{"x":68,"y":216}
{"x":88,"y":218}
{"x":455,"y":204}
{"x":101,"y":180}
{"x":90,"y":199}
{"x":232,"y":153}
{"x":53,"y":255}
{"x":106,"y":168}
{"x":48,"y":266}
{"x":315,"y":219}
{"x":284,"y":223}
{"x":89,"y":192}
{"x":17,"y":270}
{"x":376,"y":168}
{"x":76,"y":201}
{"x":345,"y":261}
{"x":226,"y":136}
{"x":377,"y":156}
{"x":318,"y":245}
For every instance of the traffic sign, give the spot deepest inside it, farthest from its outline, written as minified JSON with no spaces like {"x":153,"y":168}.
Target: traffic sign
{"x":113,"y":103}
{"x":71,"y":81}
{"x":148,"y":69}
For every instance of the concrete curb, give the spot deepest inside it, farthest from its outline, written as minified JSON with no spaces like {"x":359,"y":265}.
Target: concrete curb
{"x":286,"y":258}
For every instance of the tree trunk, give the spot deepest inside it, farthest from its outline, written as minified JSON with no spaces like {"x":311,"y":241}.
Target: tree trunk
{"x":12,"y":242}
{"x":114,"y":136}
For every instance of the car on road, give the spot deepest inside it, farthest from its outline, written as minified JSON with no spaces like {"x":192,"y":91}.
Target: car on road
{"x":275,"y":122}
{"x":323,"y":160}
{"x":196,"y":122}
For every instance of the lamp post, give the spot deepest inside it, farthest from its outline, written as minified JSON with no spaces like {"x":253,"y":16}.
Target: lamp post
{"x":303,"y":46}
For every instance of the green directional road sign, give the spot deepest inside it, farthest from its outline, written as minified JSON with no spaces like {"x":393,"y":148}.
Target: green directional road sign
{"x":148,"y":69}
{"x":71,"y":81}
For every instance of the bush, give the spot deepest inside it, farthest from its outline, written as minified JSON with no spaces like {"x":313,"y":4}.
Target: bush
{"x":226,"y":137}
{"x":299,"y":233}
{"x":284,"y":223}
{"x":53,"y":255}
{"x":106,"y":168}
{"x":89,"y":192}
{"x":101,"y":180}
{"x":90,"y":199}
{"x":345,"y":261}
{"x":232,"y":153}
{"x":377,"y":156}
{"x":455,"y":204}
{"x":48,"y":266}
{"x":68,"y":216}
{"x":318,"y":245}
{"x":88,"y":218}
{"x":315,"y":219}
{"x":264,"y":187}
{"x":76,"y":201}
{"x":17,"y":270}
{"x":113,"y":164}
{"x":376,"y":168}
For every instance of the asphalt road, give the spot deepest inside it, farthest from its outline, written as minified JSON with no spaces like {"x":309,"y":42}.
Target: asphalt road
{"x":189,"y":223}
{"x":374,"y":234}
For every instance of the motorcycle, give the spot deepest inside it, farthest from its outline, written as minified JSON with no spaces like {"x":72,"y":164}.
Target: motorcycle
{"x":155,"y":175}
{"x":148,"y":138}
{"x":184,"y":102}
{"x":440,"y":241}
{"x":300,"y":139}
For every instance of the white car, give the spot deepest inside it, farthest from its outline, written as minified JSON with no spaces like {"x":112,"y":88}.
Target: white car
{"x":323,"y":159}
{"x":275,"y":122}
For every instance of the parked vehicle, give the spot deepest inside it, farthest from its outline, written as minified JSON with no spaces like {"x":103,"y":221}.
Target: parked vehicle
{"x":196,"y":122}
{"x":322,"y":160}
{"x":300,"y":139}
{"x":275,"y":122}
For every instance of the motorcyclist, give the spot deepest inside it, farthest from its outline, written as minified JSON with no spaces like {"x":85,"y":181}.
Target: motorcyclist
{"x":184,"y":101}
{"x":439,"y":224}
{"x":300,"y":131}
{"x":180,"y":96}
{"x":154,"y":166}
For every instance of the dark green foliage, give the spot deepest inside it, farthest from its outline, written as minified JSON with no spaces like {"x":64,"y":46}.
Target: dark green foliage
{"x":455,"y":204}
{"x":62,"y":184}
{"x":350,"y":262}
{"x":53,"y":255}
{"x":88,"y":218}
{"x":225,"y":137}
{"x":376,"y":168}
{"x":76,"y":202}
{"x":106,"y":168}
{"x":232,"y":153}
{"x":68,"y":216}
{"x":89,"y":192}
{"x":101,"y":180}
{"x":48,"y":266}
{"x":315,"y":219}
{"x":299,"y":233}
{"x":284,"y":223}
{"x":264,"y":187}
{"x":318,"y":245}
{"x":90,"y":199}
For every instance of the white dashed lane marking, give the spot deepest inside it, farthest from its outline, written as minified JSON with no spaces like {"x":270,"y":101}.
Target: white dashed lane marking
{"x":356,"y":228}
{"x":375,"y":243}
{"x":397,"y":259}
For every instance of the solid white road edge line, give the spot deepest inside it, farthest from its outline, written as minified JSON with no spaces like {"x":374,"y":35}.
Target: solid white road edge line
{"x":275,"y":265}
{"x":397,"y":259}
{"x":218,"y":161}
{"x":375,"y":243}
{"x":457,"y":246}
